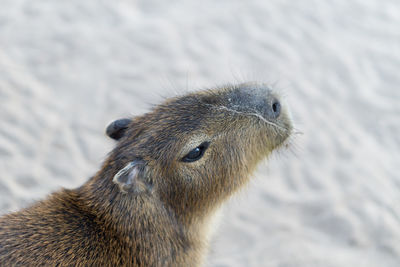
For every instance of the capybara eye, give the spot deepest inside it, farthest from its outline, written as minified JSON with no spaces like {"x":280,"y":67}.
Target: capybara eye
{"x":196,"y":153}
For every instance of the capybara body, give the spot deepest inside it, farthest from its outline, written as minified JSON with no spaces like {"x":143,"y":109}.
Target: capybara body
{"x":151,"y":202}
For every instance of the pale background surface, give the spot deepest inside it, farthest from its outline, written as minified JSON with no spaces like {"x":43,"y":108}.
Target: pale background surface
{"x":67,"y":68}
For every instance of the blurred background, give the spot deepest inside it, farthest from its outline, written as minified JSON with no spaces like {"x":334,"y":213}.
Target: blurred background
{"x":68,"y":68}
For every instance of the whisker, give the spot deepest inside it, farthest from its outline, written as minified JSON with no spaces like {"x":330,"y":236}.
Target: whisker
{"x":249,"y":114}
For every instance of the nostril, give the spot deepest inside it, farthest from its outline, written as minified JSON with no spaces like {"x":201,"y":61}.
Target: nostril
{"x":276,"y":108}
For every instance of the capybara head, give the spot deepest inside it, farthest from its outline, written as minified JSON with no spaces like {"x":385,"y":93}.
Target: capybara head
{"x":193,"y":151}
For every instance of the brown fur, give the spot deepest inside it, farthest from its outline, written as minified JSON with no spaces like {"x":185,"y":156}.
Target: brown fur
{"x":161,"y":218}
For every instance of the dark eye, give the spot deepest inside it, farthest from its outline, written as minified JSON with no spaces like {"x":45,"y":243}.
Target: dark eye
{"x":196,"y":153}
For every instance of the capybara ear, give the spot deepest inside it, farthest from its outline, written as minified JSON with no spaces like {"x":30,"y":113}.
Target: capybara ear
{"x":130,"y":178}
{"x":117,"y":128}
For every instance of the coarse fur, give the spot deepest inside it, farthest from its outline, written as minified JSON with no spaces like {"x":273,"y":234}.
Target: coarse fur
{"x":145,"y":206}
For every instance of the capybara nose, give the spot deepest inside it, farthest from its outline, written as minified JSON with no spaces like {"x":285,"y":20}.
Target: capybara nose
{"x":269,"y":106}
{"x":255,"y":99}
{"x":274,"y":110}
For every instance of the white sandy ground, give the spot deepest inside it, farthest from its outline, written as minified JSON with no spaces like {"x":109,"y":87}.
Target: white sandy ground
{"x":67,"y":68}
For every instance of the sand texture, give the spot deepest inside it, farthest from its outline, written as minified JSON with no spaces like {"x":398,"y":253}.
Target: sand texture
{"x":67,"y":68}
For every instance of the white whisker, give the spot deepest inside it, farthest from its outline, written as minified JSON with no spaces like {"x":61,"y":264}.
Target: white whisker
{"x":249,"y":114}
